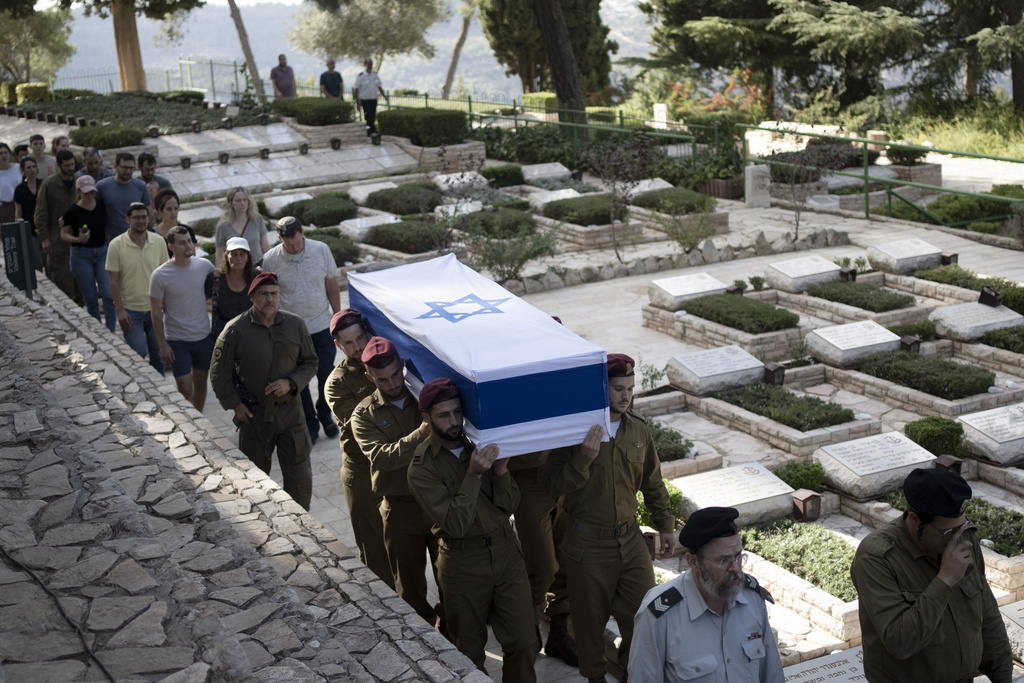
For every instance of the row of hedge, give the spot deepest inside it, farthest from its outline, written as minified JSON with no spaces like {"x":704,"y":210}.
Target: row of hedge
{"x":314,"y":111}
{"x":862,"y":295}
{"x":778,"y":403}
{"x":1013,"y":296}
{"x":939,"y":377}
{"x":956,"y":208}
{"x":742,"y":313}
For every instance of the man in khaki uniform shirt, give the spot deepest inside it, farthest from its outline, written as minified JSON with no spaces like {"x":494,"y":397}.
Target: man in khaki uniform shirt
{"x":346,"y":387}
{"x":469,"y":496}
{"x":388,"y":427}
{"x":927,"y":614}
{"x":606,"y":559}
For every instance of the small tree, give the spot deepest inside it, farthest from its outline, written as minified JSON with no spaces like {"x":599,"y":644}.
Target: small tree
{"x":34,"y":47}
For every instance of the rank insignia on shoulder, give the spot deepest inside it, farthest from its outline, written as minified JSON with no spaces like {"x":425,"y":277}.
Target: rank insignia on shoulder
{"x":753,"y":585}
{"x":417,"y":458}
{"x":360,"y":409}
{"x":336,"y":380}
{"x":665,"y":602}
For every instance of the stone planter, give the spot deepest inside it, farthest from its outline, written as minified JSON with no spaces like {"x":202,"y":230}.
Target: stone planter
{"x":723,"y":188}
{"x":840,"y":314}
{"x":855,"y":202}
{"x":799,"y":192}
{"x":594,"y":236}
{"x":655,"y":220}
{"x":350,"y":134}
{"x":466,"y":156}
{"x":926,"y":174}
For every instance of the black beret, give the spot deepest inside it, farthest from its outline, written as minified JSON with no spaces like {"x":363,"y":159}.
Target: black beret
{"x":437,"y":391}
{"x":620,"y":365}
{"x":936,"y":492}
{"x":707,"y":524}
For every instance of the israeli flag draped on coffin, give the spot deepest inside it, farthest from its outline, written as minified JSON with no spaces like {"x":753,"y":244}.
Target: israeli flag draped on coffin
{"x":527,"y":383}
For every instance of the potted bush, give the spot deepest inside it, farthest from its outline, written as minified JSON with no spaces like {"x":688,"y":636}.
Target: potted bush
{"x":909,"y":165}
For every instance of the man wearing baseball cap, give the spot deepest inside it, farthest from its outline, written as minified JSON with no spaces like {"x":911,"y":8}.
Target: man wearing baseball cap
{"x":927,"y":614}
{"x":710,"y":622}
{"x":469,"y":496}
{"x":607,"y":563}
{"x":261,"y":361}
{"x":346,"y":387}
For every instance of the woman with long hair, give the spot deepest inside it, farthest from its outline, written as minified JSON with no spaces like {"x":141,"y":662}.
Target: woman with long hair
{"x":230,"y":284}
{"x":10,"y":178}
{"x":84,"y":225}
{"x":25,"y":192}
{"x":58,"y":143}
{"x":166,"y":203}
{"x":241,"y":219}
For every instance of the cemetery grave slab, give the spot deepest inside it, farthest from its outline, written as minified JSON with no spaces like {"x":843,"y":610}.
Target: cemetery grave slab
{"x":710,"y":370}
{"x":277,"y":203}
{"x":359,"y":193}
{"x":796,"y":275}
{"x":460,"y":182}
{"x":538,"y":200}
{"x":968,"y":322}
{"x":670,"y":293}
{"x":872,"y":465}
{"x":356,"y":228}
{"x":534,"y":173}
{"x":844,"y":345}
{"x":903,"y":257}
{"x":997,"y":434}
{"x":838,"y":667}
{"x":457,"y":209}
{"x":752,"y":489}
{"x":648,"y":185}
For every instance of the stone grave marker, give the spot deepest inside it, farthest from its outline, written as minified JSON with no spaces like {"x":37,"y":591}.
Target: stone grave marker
{"x":796,"y":275}
{"x":873,"y":465}
{"x":534,"y":173}
{"x":968,"y":322}
{"x":757,"y":179}
{"x":539,"y":199}
{"x":998,"y":434}
{"x":359,"y":193}
{"x":843,"y":345}
{"x":190,"y":216}
{"x":710,"y":370}
{"x":276,"y":204}
{"x":838,"y":667}
{"x":669,"y":293}
{"x":903,"y":257}
{"x":647,"y":185}
{"x":754,"y":491}
{"x":356,"y":228}
{"x":457,"y":209}
{"x":661,"y":116}
{"x":457,"y":182}
{"x":1013,"y":619}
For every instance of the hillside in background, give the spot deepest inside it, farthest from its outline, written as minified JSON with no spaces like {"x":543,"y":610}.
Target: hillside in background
{"x":210,"y":34}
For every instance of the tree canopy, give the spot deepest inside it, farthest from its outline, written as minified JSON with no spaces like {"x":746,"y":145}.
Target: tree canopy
{"x":34,"y":46}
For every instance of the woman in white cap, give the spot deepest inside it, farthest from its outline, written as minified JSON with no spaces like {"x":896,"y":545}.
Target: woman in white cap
{"x":84,"y":225}
{"x":242,"y":219}
{"x":230,"y":283}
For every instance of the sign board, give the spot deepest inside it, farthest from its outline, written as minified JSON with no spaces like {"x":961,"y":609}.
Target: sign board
{"x":18,"y":255}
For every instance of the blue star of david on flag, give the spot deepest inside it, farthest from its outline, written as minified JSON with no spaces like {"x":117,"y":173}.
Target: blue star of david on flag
{"x":460,"y":309}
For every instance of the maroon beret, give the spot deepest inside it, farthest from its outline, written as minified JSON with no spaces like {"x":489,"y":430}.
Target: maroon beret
{"x":345,"y":318}
{"x":557,"y":319}
{"x":379,"y":352}
{"x":262,"y":279}
{"x":437,"y":391}
{"x":620,"y":365}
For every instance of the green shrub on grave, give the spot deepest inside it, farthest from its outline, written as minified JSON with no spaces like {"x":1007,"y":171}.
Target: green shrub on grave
{"x":343,"y":249}
{"x":938,"y":436}
{"x":106,"y":137}
{"x":505,"y":176}
{"x":801,"y":475}
{"x":1014,"y":299}
{"x":778,"y":403}
{"x":425,"y":127}
{"x":1008,"y":338}
{"x":407,"y":237}
{"x":958,"y":276}
{"x":936,"y":376}
{"x":742,"y":313}
{"x":187,"y":95}
{"x":669,"y":444}
{"x":924,"y":330}
{"x":810,"y":551}
{"x":205,"y":227}
{"x":862,"y":295}
{"x":499,"y":223}
{"x":675,"y":201}
{"x":675,"y":497}
{"x":905,"y":157}
{"x":314,"y":111}
{"x":519,"y":204}
{"x":589,"y":210}
{"x":406,"y":199}
{"x":329,"y":208}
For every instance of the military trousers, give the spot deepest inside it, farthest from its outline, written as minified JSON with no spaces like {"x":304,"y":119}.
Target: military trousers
{"x":540,"y":526}
{"x":608,"y":576}
{"x":484,"y":581}
{"x":284,"y":431}
{"x":364,"y":513}
{"x":409,"y":543}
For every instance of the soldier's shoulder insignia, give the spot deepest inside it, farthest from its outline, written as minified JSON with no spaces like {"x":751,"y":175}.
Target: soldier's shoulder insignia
{"x":336,"y":380}
{"x":417,"y":458}
{"x":360,"y":409}
{"x":753,"y":585}
{"x":664,"y":602}
{"x":218,"y":351}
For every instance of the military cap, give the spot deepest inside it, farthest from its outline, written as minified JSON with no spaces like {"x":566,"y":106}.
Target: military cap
{"x":620,"y":365}
{"x":436,"y":391}
{"x":345,"y":318}
{"x":262,"y":279}
{"x":936,"y":492}
{"x":378,"y":352}
{"x":707,"y":524}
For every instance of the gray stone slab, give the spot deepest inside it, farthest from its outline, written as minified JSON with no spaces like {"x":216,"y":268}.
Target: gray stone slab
{"x":12,"y":511}
{"x":649,"y":185}
{"x":968,"y":322}
{"x":844,"y":345}
{"x":356,"y":228}
{"x":534,"y":173}
{"x":457,"y":209}
{"x":754,"y":491}
{"x":757,"y":180}
{"x":669,"y":293}
{"x":359,"y":193}
{"x":873,"y":465}
{"x":998,"y":434}
{"x":710,"y":370}
{"x":460,"y":182}
{"x":845,"y":666}
{"x":125,"y":662}
{"x":250,"y":618}
{"x":538,"y":200}
{"x":796,"y":275}
{"x":107,"y":614}
{"x":277,"y":203}
{"x":190,"y":216}
{"x":46,"y":672}
{"x":903,"y":257}
{"x":1013,"y":619}
{"x":146,"y":630}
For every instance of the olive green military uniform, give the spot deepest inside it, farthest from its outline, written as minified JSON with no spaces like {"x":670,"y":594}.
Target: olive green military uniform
{"x":53,"y":198}
{"x":388,"y":435}
{"x":606,"y":559}
{"x":263,"y":355}
{"x":346,"y":387}
{"x":916,"y":629}
{"x":480,"y":567}
{"x":540,"y":527}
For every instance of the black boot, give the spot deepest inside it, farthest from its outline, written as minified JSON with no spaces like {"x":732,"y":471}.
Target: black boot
{"x":560,"y":644}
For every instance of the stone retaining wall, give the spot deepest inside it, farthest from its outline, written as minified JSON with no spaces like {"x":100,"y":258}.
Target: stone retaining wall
{"x":596,"y":236}
{"x":991,"y":357}
{"x":350,"y":134}
{"x":460,"y":158}
{"x":655,"y":220}
{"x":690,"y":328}
{"x":840,"y":314}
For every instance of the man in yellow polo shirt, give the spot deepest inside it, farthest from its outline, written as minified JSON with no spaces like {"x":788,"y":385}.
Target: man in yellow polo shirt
{"x":131,"y":259}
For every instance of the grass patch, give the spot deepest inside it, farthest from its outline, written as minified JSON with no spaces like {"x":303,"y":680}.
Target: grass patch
{"x":943,"y":378}
{"x":938,"y":436}
{"x":675,"y":201}
{"x":742,"y":313}
{"x":810,"y":551}
{"x":591,"y":210}
{"x":924,"y":330}
{"x":801,"y":475}
{"x":1008,"y":338}
{"x":862,"y":295}
{"x":675,"y":497}
{"x":406,"y":199}
{"x":777,"y":403}
{"x":133,"y":110}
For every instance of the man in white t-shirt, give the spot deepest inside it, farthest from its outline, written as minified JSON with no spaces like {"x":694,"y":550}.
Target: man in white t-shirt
{"x":307,"y":276}
{"x":177,"y":298}
{"x":365,"y":95}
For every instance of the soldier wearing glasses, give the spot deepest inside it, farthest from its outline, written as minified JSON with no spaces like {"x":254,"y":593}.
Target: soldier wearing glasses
{"x":927,"y":613}
{"x":710,"y":623}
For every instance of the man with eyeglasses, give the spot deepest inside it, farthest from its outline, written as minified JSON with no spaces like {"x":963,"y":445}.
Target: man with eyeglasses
{"x":262,"y":360}
{"x":927,"y":614}
{"x":121,"y":191}
{"x":711,"y":622}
